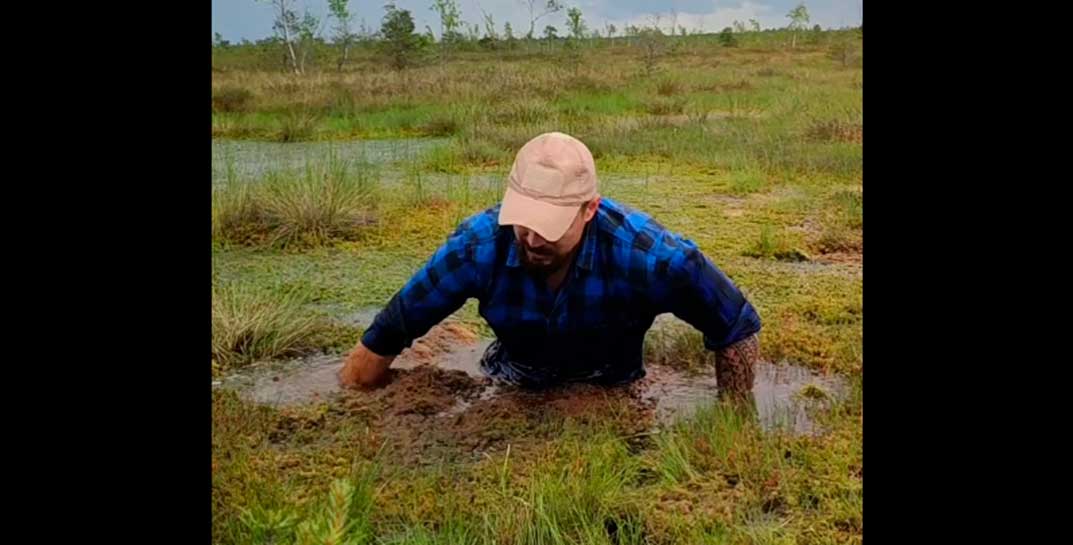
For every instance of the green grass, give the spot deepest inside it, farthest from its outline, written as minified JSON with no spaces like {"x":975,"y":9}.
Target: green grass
{"x":772,"y":244}
{"x":745,"y":182}
{"x":587,"y":104}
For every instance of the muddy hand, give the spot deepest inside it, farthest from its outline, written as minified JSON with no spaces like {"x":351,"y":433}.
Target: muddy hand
{"x":363,"y":368}
{"x":735,"y":367}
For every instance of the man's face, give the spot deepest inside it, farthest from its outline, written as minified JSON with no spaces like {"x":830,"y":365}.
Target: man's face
{"x":546,"y":257}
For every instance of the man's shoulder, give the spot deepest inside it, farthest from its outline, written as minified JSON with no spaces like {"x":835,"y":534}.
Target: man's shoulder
{"x":480,"y":237}
{"x":636,"y":230}
{"x":480,"y":227}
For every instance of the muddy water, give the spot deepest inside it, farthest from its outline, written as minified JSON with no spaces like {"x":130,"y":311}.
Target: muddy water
{"x":780,"y":391}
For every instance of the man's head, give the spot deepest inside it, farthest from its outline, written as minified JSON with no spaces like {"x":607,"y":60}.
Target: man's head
{"x":551,"y":196}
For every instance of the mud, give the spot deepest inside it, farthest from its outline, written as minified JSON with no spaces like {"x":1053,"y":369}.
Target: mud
{"x":438,"y":402}
{"x":427,"y":413}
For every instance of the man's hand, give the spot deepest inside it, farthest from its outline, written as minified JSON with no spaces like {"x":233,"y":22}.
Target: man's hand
{"x":735,"y":367}
{"x":364,"y":368}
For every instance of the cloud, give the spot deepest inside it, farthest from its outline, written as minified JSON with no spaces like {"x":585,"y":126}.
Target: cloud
{"x":711,"y":20}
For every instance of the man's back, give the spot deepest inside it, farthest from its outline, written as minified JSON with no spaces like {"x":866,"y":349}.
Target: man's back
{"x":627,"y":270}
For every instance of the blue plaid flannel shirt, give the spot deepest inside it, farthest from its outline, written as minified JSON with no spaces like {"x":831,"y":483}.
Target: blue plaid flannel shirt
{"x":628,"y":270}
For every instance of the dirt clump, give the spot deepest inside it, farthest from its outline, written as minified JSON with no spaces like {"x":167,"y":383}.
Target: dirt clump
{"x":427,"y":413}
{"x":438,"y":341}
{"x":427,"y":391}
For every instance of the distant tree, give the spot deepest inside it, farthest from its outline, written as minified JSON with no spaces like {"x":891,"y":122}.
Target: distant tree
{"x":816,"y":35}
{"x":739,"y":26}
{"x":755,"y":25}
{"x":681,"y":30}
{"x":364,"y":32}
{"x":798,"y":20}
{"x":308,"y":31}
{"x":286,"y":24}
{"x":399,"y":41}
{"x":727,"y":39}
{"x":631,"y":33}
{"x":550,"y":32}
{"x":550,"y":6}
{"x":489,"y":27}
{"x":450,"y":21}
{"x":654,"y":23}
{"x":654,"y":44}
{"x":343,"y":34}
{"x":611,"y":30}
{"x":508,"y":34}
{"x":219,"y":41}
{"x":298,"y":34}
{"x":575,"y":23}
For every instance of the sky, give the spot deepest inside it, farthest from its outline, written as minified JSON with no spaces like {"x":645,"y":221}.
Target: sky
{"x":252,"y":20}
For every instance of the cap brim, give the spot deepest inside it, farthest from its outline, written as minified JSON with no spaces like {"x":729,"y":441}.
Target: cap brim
{"x":548,"y":220}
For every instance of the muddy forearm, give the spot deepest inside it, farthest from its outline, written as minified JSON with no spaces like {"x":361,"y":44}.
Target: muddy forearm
{"x":735,"y":366}
{"x":364,"y":368}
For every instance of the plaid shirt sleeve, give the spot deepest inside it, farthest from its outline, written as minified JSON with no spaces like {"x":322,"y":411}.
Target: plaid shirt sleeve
{"x":433,"y":293}
{"x":704,"y":297}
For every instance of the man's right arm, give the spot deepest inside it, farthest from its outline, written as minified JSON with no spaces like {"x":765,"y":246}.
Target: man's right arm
{"x":433,"y":293}
{"x":364,"y":368}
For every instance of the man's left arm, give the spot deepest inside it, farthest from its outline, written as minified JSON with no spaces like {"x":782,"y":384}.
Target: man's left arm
{"x":707,"y":299}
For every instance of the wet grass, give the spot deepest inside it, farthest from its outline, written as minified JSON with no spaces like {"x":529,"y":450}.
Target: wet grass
{"x":253,"y":323}
{"x":762,"y":160}
{"x":250,"y":325}
{"x":326,"y":201}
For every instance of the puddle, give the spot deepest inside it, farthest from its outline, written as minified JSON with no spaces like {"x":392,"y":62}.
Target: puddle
{"x":292,"y":382}
{"x":362,"y":317}
{"x":783,"y":393}
{"x":350,"y":315}
{"x":252,"y":159}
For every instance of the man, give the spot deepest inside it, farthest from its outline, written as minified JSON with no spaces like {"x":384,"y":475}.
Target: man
{"x":570,"y":282}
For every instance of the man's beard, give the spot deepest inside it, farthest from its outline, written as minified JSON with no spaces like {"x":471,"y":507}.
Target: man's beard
{"x":547,"y":265}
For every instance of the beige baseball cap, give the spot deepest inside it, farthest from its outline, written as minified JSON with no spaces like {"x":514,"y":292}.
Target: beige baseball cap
{"x":553,"y":175}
